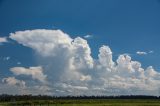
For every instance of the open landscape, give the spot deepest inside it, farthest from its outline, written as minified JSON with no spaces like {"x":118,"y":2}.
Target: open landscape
{"x":28,"y":100}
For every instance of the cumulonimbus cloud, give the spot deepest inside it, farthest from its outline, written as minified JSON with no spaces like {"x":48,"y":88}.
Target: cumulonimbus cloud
{"x":70,"y":68}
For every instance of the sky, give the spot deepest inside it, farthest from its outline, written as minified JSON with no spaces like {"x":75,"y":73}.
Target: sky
{"x":77,"y":47}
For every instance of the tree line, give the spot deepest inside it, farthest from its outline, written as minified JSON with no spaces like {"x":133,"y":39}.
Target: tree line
{"x":8,"y":98}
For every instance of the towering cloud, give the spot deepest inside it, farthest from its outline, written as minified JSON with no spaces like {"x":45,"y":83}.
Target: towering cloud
{"x":61,"y":53}
{"x":69,"y":68}
{"x":105,"y":58}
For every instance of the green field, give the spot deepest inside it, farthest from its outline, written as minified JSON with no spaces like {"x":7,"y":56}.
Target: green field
{"x":86,"y":102}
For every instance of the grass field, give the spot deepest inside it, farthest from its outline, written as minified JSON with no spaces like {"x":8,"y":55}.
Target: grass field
{"x":87,"y":102}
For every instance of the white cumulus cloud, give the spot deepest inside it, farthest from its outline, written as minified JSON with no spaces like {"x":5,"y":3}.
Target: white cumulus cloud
{"x":35,"y":72}
{"x":13,"y":81}
{"x":69,"y":67}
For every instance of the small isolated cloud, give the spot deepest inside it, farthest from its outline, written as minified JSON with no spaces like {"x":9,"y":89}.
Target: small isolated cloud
{"x":151,"y":51}
{"x":144,"y":53}
{"x":35,"y":72}
{"x":18,"y":63}
{"x":3,"y":40}
{"x":88,"y":36}
{"x":141,"y":53}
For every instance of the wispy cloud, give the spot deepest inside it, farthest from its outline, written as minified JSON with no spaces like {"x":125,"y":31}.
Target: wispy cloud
{"x":141,"y":53}
{"x":144,"y":53}
{"x":151,"y":51}
{"x":18,"y":63}
{"x":88,"y":36}
{"x":7,"y":58}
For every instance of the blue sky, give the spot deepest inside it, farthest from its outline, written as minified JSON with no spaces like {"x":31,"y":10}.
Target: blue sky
{"x":126,"y":26}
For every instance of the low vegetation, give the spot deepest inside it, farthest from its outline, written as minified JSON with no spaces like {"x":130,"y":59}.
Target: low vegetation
{"x":79,"y":101}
